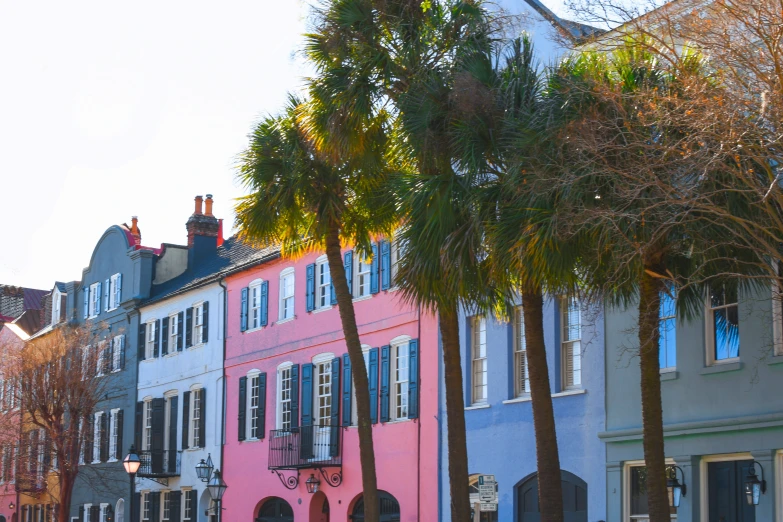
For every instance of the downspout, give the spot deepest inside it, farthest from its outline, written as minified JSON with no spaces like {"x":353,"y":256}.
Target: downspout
{"x":418,"y":446}
{"x":225,"y":330}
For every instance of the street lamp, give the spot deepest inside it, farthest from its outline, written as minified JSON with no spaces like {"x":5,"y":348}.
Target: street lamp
{"x":204,"y":469}
{"x":678,"y":490}
{"x":754,"y":487}
{"x":312,"y":484}
{"x":217,"y":487}
{"x":132,"y":463}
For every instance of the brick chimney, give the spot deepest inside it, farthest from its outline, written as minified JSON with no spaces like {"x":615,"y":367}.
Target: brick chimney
{"x":135,"y":232}
{"x":202,"y":231}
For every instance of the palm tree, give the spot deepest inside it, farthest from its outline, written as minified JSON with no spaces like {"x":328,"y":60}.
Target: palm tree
{"x":305,"y":197}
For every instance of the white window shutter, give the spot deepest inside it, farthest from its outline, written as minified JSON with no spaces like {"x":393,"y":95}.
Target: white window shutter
{"x":106,"y":288}
{"x":118,"y":290}
{"x":97,"y":298}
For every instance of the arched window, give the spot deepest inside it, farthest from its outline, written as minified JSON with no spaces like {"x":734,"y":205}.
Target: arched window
{"x":389,"y":508}
{"x":275,"y":510}
{"x":119,"y":511}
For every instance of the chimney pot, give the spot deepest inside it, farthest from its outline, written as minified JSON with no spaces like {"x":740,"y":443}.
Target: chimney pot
{"x":135,"y":232}
{"x":208,"y":209}
{"x":199,"y":202}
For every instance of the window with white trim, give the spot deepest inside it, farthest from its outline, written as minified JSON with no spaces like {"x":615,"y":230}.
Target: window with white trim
{"x":114,"y":292}
{"x":114,"y":436}
{"x":149,"y":346}
{"x":521,"y":372}
{"x":636,"y":497}
{"x":83,"y":441}
{"x":145,"y":506}
{"x":361,"y":277}
{"x":284,"y":397}
{"x":254,"y":392}
{"x":323,"y":283}
{"x":667,"y":330}
{"x":400,"y":372}
{"x":95,"y":301}
{"x":187,"y":496}
{"x":723,"y":319}
{"x":395,"y":260}
{"x":287,"y":292}
{"x":104,"y":512}
{"x":117,"y":347}
{"x":165,"y":502}
{"x":571,"y":342}
{"x":41,"y":453}
{"x":173,"y":332}
{"x":198,"y":323}
{"x":195,"y":418}
{"x":323,"y":392}
{"x":254,"y":311}
{"x":96,"y":437}
{"x":119,"y":511}
{"x":86,"y":362}
{"x":146,"y":442}
{"x":479,"y":359}
{"x":87,"y":512}
{"x":56,"y":306}
{"x":100,"y":360}
{"x":354,"y":408}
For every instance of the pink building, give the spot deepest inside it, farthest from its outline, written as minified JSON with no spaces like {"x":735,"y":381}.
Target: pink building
{"x":291,"y":411}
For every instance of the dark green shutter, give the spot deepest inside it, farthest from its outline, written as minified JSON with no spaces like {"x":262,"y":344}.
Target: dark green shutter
{"x":189,"y":327}
{"x":180,"y":329}
{"x":347,"y":397}
{"x":243,"y":311}
{"x":194,"y":505}
{"x":264,"y":303}
{"x":81,"y":514}
{"x":89,"y":444}
{"x":373,"y":382}
{"x":120,"y":427}
{"x":95,"y":513}
{"x":106,"y":285}
{"x":157,"y":338}
{"x":173,"y":416}
{"x":413,"y":379}
{"x":374,"y":269}
{"x":105,"y":436}
{"x":242,"y":429}
{"x":310,"y":287}
{"x":138,"y":426}
{"x":385,"y":264}
{"x":175,"y":503}
{"x":349,"y":270}
{"x":122,"y":351}
{"x":385,"y":376}
{"x":261,"y":411}
{"x":154,"y":506}
{"x":158,"y":425}
{"x":306,"y":437}
{"x":142,"y":339}
{"x":164,"y":338}
{"x":202,"y":423}
{"x":205,"y":322}
{"x":294,"y":396}
{"x":334,"y":421}
{"x":185,"y":419}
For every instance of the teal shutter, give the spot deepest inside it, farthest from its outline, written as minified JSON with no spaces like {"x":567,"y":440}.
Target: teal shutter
{"x":306,"y":437}
{"x":261,"y":411}
{"x":385,"y":376}
{"x":310,"y":287}
{"x":374,"y":269}
{"x":106,"y":286}
{"x":118,"y":290}
{"x":413,"y":379}
{"x":205,"y":322}
{"x":347,"y":397}
{"x":242,"y":423}
{"x":373,"y":381}
{"x":86,"y":292}
{"x":334,"y":421}
{"x":349,"y":270}
{"x":385,"y":264}
{"x":264,"y":303}
{"x":294,"y":396}
{"x":98,"y":298}
{"x":243,"y":311}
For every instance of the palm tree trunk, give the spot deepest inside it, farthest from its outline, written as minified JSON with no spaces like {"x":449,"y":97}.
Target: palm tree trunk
{"x":652,"y":410}
{"x":359,"y":372}
{"x":455,"y":413}
{"x":550,"y":495}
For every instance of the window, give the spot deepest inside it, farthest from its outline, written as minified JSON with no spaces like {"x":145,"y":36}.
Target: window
{"x":724,"y":318}
{"x":287,"y":294}
{"x":82,"y":440}
{"x":571,"y":353}
{"x":401,"y":376}
{"x":323,"y":393}
{"x":146,"y":443}
{"x":118,"y":345}
{"x":87,"y":510}
{"x":354,"y":412}
{"x":361,"y":283}
{"x":96,"y":437}
{"x":149,"y":347}
{"x":119,"y":511}
{"x":198,"y":324}
{"x":166,"y":504}
{"x":114,"y":435}
{"x":145,"y":506}
{"x":95,"y":300}
{"x":85,"y":362}
{"x":254,"y":315}
{"x":521,"y":375}
{"x":323,"y":294}
{"x":114,"y":291}
{"x":102,"y":358}
{"x":284,"y":397}
{"x":252,"y":407}
{"x":195,"y":418}
{"x":187,"y":495}
{"x":667,"y":326}
{"x":479,"y":358}
{"x":56,"y":306}
{"x":637,"y":494}
{"x":41,"y":452}
{"x":104,"y":512}
{"x":173,"y":333}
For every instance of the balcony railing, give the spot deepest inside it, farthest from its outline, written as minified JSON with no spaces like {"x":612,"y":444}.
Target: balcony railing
{"x":159,"y":463}
{"x":305,"y":447}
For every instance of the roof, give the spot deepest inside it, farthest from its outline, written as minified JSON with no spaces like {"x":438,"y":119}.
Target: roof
{"x":60,"y":287}
{"x":233,"y":255}
{"x":578,"y":32}
{"x":21,"y":334}
{"x":14,"y":300}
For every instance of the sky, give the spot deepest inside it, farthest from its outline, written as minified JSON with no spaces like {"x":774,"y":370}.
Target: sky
{"x":112,"y":110}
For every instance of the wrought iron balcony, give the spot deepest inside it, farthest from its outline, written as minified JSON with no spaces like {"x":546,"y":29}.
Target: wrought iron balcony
{"x":305,"y":447}
{"x":159,"y":463}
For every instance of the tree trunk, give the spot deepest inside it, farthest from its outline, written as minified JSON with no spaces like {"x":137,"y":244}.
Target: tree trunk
{"x":550,"y":489}
{"x":652,"y":410}
{"x":359,"y":372}
{"x":66,"y":482}
{"x":455,"y":412}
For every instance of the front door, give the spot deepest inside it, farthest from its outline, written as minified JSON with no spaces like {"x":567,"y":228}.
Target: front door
{"x":574,"y":499}
{"x":275,"y":510}
{"x":726,"y":491}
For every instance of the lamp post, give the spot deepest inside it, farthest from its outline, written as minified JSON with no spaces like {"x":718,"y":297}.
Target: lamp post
{"x":132,"y":463}
{"x":217,"y":487}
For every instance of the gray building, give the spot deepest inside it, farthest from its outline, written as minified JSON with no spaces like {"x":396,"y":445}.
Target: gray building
{"x":722,"y":407}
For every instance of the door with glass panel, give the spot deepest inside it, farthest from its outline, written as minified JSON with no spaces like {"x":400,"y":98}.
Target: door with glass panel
{"x":726,"y":494}
{"x":322,"y":414}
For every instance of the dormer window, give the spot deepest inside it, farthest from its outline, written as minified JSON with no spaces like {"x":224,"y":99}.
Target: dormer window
{"x":56,"y":298}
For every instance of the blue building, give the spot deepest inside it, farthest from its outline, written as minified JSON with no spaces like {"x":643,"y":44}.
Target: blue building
{"x":499,"y":418}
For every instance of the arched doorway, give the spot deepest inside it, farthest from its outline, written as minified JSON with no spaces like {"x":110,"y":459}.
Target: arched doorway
{"x":2,"y":518}
{"x":275,"y":509}
{"x":574,"y":498}
{"x":390,"y":508}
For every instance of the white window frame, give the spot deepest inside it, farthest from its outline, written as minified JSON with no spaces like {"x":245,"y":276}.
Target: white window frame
{"x":117,"y":347}
{"x":165,"y":498}
{"x":362,"y":277}
{"x":286,"y":301}
{"x":146,"y":431}
{"x":253,"y":305}
{"x":174,"y":326}
{"x":283,"y":395}
{"x":667,"y":333}
{"x":101,"y":347}
{"x":94,"y":304}
{"x":56,"y":306}
{"x":187,"y":515}
{"x":571,"y":347}
{"x":82,"y":444}
{"x":521,"y":369}
{"x":479,"y":364}
{"x":87,"y":509}
{"x":322,"y":393}
{"x":103,"y":513}
{"x":96,"y":434}
{"x":113,"y":304}
{"x":194,"y":435}
{"x":323,"y":288}
{"x":400,"y":383}
{"x":167,"y":446}
{"x":119,"y":510}
{"x":113,"y":435}
{"x":626,"y":504}
{"x":149,"y":342}
{"x":710,"y":332}
{"x":198,"y":324}
{"x":253,"y":403}
{"x":41,"y":453}
{"x":354,"y":408}
{"x":146,"y":506}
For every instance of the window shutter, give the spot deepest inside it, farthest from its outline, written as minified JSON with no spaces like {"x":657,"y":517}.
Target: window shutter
{"x":89,"y":445}
{"x":569,"y":364}
{"x":180,"y":329}
{"x":154,"y":506}
{"x":98,"y":298}
{"x":348,"y":272}
{"x":138,"y":425}
{"x":413,"y":379}
{"x":155,"y":347}
{"x":261,"y":412}
{"x":185,"y":419}
{"x":374,"y":265}
{"x":373,"y":381}
{"x":347,"y":382}
{"x":385,"y":375}
{"x":307,"y":394}
{"x":47,"y":459}
{"x":86,"y":302}
{"x":164,"y":338}
{"x":118,"y":290}
{"x":242,"y":428}
{"x":202,"y":424}
{"x":175,"y":503}
{"x":205,"y":322}
{"x":121,"y":341}
{"x":188,"y":327}
{"x":142,"y":340}
{"x":243,"y":313}
{"x":95,"y":513}
{"x":119,"y":422}
{"x":158,"y":423}
{"x":310,"y":287}
{"x":106,"y":285}
{"x":81,"y":513}
{"x":173,"y":416}
{"x":334,"y":421}
{"x":105,"y":436}
{"x":194,"y":506}
{"x":294,"y":396}
{"x":264,"y":303}
{"x":333,"y":293}
{"x":385,"y":264}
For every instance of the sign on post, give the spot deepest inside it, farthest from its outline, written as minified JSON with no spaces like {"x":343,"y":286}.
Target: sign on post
{"x":487,"y":490}
{"x":488,"y":506}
